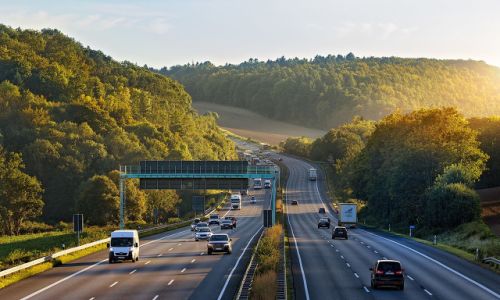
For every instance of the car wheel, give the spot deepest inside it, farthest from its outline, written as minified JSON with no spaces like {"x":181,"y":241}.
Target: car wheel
{"x":402,"y":287}
{"x":196,"y":240}
{"x":346,"y":238}
{"x":111,"y":261}
{"x":318,"y":227}
{"x":333,"y":237}
{"x":371,"y":284}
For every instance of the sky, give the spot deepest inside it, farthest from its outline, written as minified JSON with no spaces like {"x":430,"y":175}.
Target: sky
{"x":172,"y":32}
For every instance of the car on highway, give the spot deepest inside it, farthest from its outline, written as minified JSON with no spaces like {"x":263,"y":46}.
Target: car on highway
{"x":201,"y":225}
{"x":280,"y":159}
{"x":324,"y":222}
{"x":226,"y":224}
{"x":295,"y":202}
{"x":203,"y":233}
{"x":253,"y":200}
{"x":214,"y":219}
{"x":339,"y":232}
{"x":321,"y":210}
{"x":195,"y":222}
{"x":124,"y":245}
{"x":219,"y":243}
{"x":233,"y":220}
{"x":387,"y":273}
{"x":244,"y":192}
{"x":267,"y":184}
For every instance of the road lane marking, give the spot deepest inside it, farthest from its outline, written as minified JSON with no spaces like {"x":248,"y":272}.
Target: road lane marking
{"x":183,"y":270}
{"x":375,"y":251}
{"x":439,"y":264}
{"x":348,"y":265}
{"x":170,"y":282}
{"x":62,"y":280}
{"x":170,"y":249}
{"x":337,"y":250}
{"x":133,"y":271}
{"x":411,"y":278}
{"x":193,"y":260}
{"x":179,"y":244}
{"x":147,"y":262}
{"x":92,"y":298}
{"x":430,"y":294}
{"x":159,"y":255}
{"x":366,"y":289}
{"x":356,"y":274}
{"x":114,"y":283}
{"x":342,"y":257}
{"x":202,"y":253}
{"x":236,"y":264}
{"x":156,"y":297}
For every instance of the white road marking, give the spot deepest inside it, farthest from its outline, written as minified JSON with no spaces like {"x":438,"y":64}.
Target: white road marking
{"x":193,"y":260}
{"x":92,"y":298}
{"x":236,"y":264}
{"x":159,"y":255}
{"x":179,"y":244}
{"x":342,"y":257}
{"x":170,"y":249}
{"x":147,"y":262}
{"x":362,"y":243}
{"x":132,"y":272}
{"x":366,"y":289}
{"x":430,"y":294}
{"x":348,"y":265}
{"x":411,"y":278}
{"x":336,"y":250}
{"x":170,"y":282}
{"x":114,"y":283}
{"x":356,"y":274}
{"x":331,"y":245}
{"x":156,"y":297}
{"x":439,"y":264}
{"x":202,"y":253}
{"x":375,"y":251}
{"x":183,"y":270}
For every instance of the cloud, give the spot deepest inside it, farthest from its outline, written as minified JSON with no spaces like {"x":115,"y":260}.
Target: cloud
{"x":158,"y":26}
{"x":381,"y":30}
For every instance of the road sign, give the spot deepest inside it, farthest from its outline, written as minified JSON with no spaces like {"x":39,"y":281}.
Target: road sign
{"x":268,"y":217}
{"x":78,"y":222}
{"x":198,"y":203}
{"x":412,"y":226}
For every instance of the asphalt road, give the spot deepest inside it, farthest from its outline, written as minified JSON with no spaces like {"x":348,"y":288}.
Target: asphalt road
{"x":339,"y":269}
{"x":171,"y":266}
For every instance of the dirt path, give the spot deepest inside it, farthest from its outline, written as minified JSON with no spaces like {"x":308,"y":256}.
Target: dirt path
{"x":249,"y":124}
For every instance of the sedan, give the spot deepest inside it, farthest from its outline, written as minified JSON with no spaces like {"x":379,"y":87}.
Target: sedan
{"x":200,"y":225}
{"x":339,"y":231}
{"x":219,"y":243}
{"x":226,"y":224}
{"x":203,"y":234}
{"x":387,"y":273}
{"x":295,"y":202}
{"x":324,"y":222}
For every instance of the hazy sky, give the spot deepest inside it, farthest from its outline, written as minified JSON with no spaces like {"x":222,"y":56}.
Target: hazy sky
{"x":169,"y":32}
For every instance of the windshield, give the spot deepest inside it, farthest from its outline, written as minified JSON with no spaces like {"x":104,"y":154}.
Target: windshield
{"x":122,"y":242}
{"x":202,"y":225}
{"x":389,"y":266}
{"x":205,"y":229}
{"x":214,"y":217}
{"x":219,"y":238}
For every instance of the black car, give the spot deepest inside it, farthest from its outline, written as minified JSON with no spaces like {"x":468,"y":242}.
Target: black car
{"x":295,"y":202}
{"x":324,"y":222}
{"x":387,"y":273}
{"x":244,"y":192}
{"x":339,"y":232}
{"x":233,"y":220}
{"x":321,"y":210}
{"x":219,"y":243}
{"x":226,"y":224}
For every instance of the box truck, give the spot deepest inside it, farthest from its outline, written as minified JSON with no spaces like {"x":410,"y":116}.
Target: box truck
{"x":235,"y":201}
{"x":124,"y":245}
{"x":313,"y":175}
{"x":348,"y":215}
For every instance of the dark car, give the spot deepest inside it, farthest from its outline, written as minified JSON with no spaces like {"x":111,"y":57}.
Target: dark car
{"x":244,"y":192}
{"x":226,"y":224}
{"x":339,"y":232}
{"x":387,"y":273}
{"x":219,"y":243}
{"x":321,"y":210}
{"x":214,"y":219}
{"x":233,"y":220}
{"x":324,"y":222}
{"x":195,"y":222}
{"x":295,"y":202}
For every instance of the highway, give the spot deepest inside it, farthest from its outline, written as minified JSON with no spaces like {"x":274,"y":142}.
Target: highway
{"x":172,"y":266}
{"x":339,"y":269}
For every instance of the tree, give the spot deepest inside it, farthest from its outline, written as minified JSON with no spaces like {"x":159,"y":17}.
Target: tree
{"x":99,"y":201}
{"x":20,"y":194}
{"x":162,"y":204}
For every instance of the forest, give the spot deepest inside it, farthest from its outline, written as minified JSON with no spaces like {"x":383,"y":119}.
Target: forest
{"x":327,"y":91}
{"x":70,"y":115}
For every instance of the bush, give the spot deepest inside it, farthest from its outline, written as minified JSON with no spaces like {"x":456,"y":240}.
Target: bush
{"x":35,"y":227}
{"x":264,"y":286}
{"x":174,"y":220}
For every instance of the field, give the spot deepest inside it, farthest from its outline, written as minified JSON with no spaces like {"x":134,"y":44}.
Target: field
{"x":490,"y":205}
{"x":252,"y":125}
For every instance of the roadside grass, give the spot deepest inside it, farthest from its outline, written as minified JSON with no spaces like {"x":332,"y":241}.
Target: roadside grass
{"x":264,"y":286}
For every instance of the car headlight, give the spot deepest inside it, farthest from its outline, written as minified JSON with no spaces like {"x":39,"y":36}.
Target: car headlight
{"x":226,"y":245}
{"x":210,"y":246}
{"x":111,"y":250}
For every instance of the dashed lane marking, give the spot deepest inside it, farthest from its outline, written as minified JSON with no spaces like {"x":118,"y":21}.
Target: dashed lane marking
{"x":114,"y":283}
{"x":132,"y":272}
{"x":366,"y":289}
{"x":147,"y":262}
{"x":193,"y":260}
{"x":183,"y":270}
{"x":170,"y":282}
{"x":348,"y":265}
{"x":356,"y":274}
{"x":170,"y":249}
{"x":156,"y":297}
{"x":411,"y":278}
{"x":429,"y":293}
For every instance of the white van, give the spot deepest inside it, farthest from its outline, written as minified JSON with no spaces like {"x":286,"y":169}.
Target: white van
{"x":124,"y":245}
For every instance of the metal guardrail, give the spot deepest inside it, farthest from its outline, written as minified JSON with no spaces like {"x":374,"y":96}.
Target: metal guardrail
{"x":492,"y":260}
{"x":82,"y":247}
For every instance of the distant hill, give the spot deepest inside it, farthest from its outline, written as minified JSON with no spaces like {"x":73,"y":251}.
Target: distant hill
{"x":326,"y":91}
{"x":74,"y":112}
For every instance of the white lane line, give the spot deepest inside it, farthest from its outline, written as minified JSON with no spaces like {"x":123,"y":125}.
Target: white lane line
{"x":366,"y":289}
{"x":92,"y":298}
{"x":132,"y":272}
{"x":179,"y":244}
{"x":362,"y":243}
{"x":411,"y":278}
{"x":159,"y":255}
{"x":114,"y":283}
{"x":336,"y":250}
{"x":348,"y":265}
{"x":147,"y":262}
{"x":439,"y":264}
{"x":170,"y":282}
{"x":183,"y":270}
{"x":170,"y":249}
{"x":356,"y":274}
{"x":62,"y":280}
{"x":342,"y":257}
{"x":193,"y":260}
{"x":375,"y":251}
{"x":236,"y":264}
{"x":202,"y":253}
{"x":156,"y":297}
{"x":429,"y":293}
{"x":331,"y":245}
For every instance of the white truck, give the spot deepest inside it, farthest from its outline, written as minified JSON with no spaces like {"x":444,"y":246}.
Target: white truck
{"x":257,"y":183}
{"x":313,"y":174}
{"x":348,"y":216}
{"x":124,"y":245}
{"x":235,"y":201}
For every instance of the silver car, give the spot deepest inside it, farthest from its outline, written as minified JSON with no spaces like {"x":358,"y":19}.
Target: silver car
{"x":203,"y":234}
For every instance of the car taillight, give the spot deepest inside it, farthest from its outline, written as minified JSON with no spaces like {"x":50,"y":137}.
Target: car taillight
{"x":379,"y":272}
{"x":399,"y":272}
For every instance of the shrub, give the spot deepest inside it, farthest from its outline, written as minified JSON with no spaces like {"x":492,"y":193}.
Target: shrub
{"x":173,"y":220}
{"x":264,"y":286}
